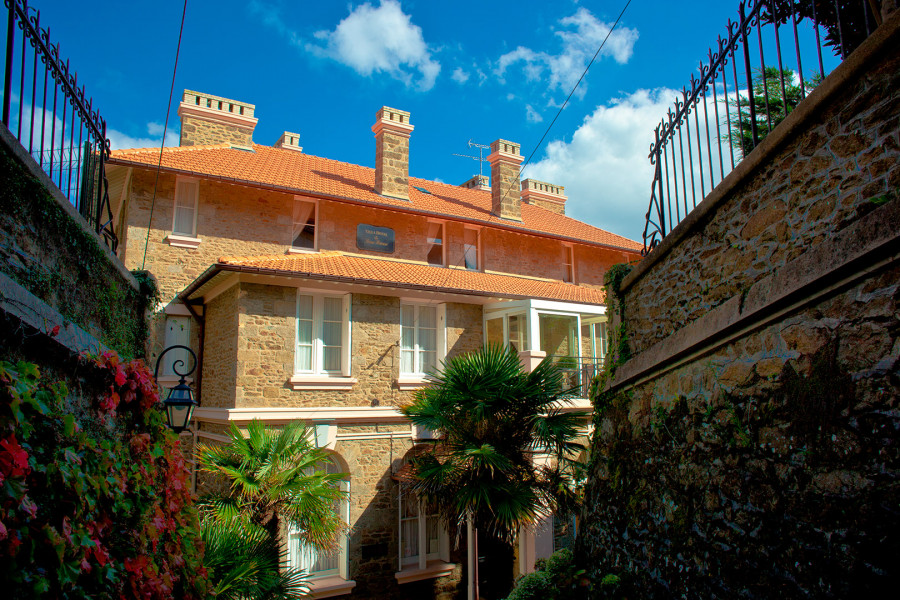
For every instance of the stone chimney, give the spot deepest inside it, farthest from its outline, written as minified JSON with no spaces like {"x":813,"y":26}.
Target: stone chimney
{"x":479,"y":182}
{"x":289,"y":141}
{"x":543,"y":194}
{"x":207,"y":120}
{"x":505,"y":158}
{"x":392,"y":131}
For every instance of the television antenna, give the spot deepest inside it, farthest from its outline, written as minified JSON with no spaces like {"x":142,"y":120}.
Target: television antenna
{"x":480,"y":158}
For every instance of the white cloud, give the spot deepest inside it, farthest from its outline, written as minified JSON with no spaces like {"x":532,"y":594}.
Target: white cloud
{"x":380,"y":40}
{"x":459,"y":75}
{"x":580,"y":34}
{"x":119,"y":140}
{"x":604,"y":167}
{"x":532,"y":115}
{"x":606,"y":170}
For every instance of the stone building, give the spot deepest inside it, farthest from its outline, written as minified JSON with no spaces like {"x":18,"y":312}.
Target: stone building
{"x":324,"y":291}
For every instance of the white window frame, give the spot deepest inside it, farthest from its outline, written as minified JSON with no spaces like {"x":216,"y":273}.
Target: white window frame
{"x":412,"y":381}
{"x":196,"y":202}
{"x":417,"y":349}
{"x":420,"y":560}
{"x":296,"y":249}
{"x":443,"y":226}
{"x":342,"y":570}
{"x":317,"y":377}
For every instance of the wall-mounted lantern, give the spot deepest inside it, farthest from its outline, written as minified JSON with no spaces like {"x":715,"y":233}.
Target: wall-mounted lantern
{"x":180,"y":402}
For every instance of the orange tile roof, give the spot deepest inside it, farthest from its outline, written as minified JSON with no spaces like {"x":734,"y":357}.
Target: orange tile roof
{"x":335,"y":266}
{"x":295,"y":172}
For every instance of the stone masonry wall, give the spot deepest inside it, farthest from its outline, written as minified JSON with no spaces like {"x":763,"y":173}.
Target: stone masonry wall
{"x":747,"y":447}
{"x":236,"y":220}
{"x":392,"y":165}
{"x":200,"y":132}
{"x":220,"y":351}
{"x":264,"y":345}
{"x":818,"y":183}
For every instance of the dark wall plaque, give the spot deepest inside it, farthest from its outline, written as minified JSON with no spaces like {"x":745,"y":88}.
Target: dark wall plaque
{"x":376,"y":239}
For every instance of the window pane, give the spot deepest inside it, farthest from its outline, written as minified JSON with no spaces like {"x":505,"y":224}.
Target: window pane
{"x":304,"y":225}
{"x":470,"y":249}
{"x":184,"y":221}
{"x":427,"y":316}
{"x":305,"y":307}
{"x":406,"y":361}
{"x":331,"y":359}
{"x":427,"y":361}
{"x":494,"y":333}
{"x":304,"y":358}
{"x":409,"y":533}
{"x":436,"y":242}
{"x":432,"y":534}
{"x":427,"y":340}
{"x":331,"y":333}
{"x":304,"y":332}
{"x":333,"y":309}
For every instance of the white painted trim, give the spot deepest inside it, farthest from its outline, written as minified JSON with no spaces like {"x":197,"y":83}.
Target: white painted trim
{"x":432,"y":570}
{"x":214,"y":115}
{"x":330,"y":586}
{"x":411,"y":382}
{"x":183,"y":241}
{"x":217,"y":437}
{"x":339,"y":414}
{"x":302,"y":381}
{"x":176,"y":309}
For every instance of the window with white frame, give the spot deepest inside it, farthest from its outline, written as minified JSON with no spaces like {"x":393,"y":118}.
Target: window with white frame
{"x":568,"y":264}
{"x":435,"y":241}
{"x":315,"y":562}
{"x":184,"y":221}
{"x":471,"y":250}
{"x":422,"y":535}
{"x":305,"y":218}
{"x":323,"y":335}
{"x":418,"y":339}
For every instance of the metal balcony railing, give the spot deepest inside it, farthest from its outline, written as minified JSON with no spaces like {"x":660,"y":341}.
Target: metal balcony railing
{"x":578,"y":372}
{"x":52,"y":118}
{"x":768,"y":62}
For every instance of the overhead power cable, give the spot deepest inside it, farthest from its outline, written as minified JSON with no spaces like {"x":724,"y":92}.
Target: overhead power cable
{"x":596,"y":54}
{"x":162,"y":144}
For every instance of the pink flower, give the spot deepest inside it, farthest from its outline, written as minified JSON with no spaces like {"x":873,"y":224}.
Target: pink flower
{"x":3,"y":532}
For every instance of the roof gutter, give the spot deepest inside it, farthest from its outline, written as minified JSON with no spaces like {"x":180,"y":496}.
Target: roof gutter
{"x":320,"y":195}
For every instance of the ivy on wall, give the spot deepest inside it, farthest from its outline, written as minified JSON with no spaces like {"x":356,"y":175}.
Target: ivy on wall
{"x":43,"y":249}
{"x":94,"y":495}
{"x":792,"y":492}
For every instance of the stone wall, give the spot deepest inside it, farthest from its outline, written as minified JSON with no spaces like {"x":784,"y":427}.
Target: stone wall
{"x":242,"y":221}
{"x":746,"y":446}
{"x":49,"y":253}
{"x":202,"y":132}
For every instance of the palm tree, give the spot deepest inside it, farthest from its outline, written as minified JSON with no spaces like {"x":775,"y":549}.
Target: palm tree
{"x":247,"y":563}
{"x":274,"y":477}
{"x":493,"y":419}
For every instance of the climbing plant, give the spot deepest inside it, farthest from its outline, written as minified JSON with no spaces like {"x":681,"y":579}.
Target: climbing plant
{"x":94,"y":493}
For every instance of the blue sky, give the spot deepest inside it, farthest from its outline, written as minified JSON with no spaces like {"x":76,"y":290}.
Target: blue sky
{"x":466,"y":70}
